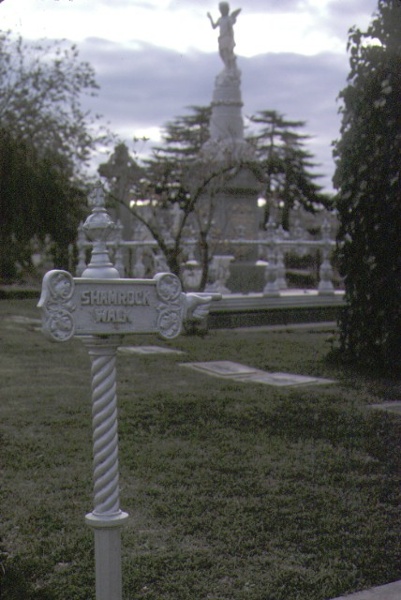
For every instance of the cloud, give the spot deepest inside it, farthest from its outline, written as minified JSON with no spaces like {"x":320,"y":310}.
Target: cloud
{"x":147,"y":85}
{"x":352,"y":10}
{"x":341,"y":16}
{"x":270,"y":6}
{"x":143,"y":85}
{"x":248,"y":6}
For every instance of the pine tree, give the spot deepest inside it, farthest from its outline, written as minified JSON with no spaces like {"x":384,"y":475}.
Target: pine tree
{"x":286,"y":165}
{"x":368,"y":180}
{"x":184,"y":137}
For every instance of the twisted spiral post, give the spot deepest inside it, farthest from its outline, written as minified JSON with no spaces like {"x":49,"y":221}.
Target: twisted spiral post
{"x":104,"y":419}
{"x":106,"y":518}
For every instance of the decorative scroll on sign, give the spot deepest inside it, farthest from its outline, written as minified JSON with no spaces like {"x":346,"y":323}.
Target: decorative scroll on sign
{"x":78,"y":306}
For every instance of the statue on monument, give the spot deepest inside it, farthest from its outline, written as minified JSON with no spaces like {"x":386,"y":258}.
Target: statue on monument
{"x":226,"y":38}
{"x":226,"y":141}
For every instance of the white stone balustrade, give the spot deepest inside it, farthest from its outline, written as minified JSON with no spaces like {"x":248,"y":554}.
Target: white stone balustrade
{"x":274,"y":244}
{"x":220,"y":272}
{"x":277,"y":244}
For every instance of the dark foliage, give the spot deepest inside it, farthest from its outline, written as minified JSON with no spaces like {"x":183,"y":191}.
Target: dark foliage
{"x":46,"y":141}
{"x":368,"y":179}
{"x":37,"y":202}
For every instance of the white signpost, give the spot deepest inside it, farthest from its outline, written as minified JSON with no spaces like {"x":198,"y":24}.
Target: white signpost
{"x":100,"y":308}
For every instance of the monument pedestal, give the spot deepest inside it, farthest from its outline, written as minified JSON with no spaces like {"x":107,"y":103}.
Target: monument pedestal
{"x":236,"y":213}
{"x":246,"y":277}
{"x":226,"y":127}
{"x":237,"y":221}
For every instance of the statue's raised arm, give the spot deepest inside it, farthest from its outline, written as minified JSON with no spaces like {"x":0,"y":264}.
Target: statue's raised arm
{"x":226,"y":36}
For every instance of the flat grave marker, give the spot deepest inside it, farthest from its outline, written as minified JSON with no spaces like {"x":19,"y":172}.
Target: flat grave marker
{"x":28,"y":322}
{"x":221,"y":368}
{"x":391,"y":407}
{"x":238,"y":372}
{"x":147,"y":350}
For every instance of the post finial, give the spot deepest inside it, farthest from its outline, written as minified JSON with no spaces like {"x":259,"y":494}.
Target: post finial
{"x":98,"y":228}
{"x":96,"y":197}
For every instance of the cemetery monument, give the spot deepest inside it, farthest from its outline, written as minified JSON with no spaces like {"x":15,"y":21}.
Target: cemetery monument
{"x":237,"y":213}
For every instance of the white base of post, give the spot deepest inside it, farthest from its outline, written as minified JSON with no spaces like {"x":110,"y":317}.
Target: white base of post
{"x":107,"y":530}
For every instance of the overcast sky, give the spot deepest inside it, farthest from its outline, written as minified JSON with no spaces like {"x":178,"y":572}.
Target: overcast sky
{"x":154,"y":58}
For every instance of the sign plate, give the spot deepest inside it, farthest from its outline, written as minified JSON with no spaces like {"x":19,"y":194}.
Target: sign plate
{"x":83,"y":306}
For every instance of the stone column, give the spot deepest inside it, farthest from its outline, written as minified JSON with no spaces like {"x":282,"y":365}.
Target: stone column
{"x":226,"y":127}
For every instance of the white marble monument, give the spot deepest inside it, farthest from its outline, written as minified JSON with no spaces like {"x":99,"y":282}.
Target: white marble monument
{"x":236,"y":201}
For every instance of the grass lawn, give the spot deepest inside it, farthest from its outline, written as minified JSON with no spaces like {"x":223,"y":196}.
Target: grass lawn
{"x":235,"y":491}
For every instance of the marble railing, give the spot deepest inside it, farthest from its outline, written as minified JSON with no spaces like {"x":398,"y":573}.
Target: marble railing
{"x":143,"y":258}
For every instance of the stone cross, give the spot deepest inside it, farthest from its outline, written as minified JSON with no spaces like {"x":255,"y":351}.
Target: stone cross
{"x":122,"y":172}
{"x":99,"y":308}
